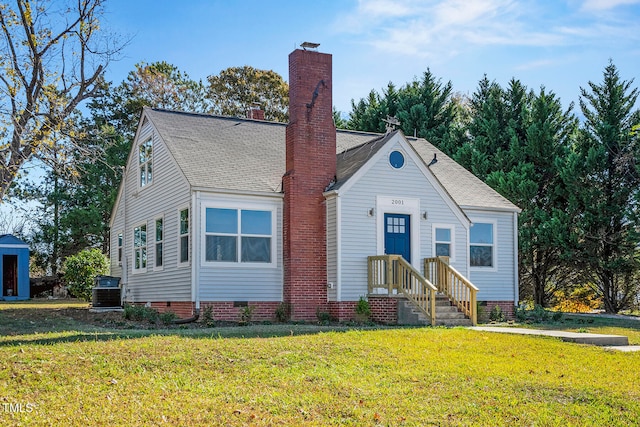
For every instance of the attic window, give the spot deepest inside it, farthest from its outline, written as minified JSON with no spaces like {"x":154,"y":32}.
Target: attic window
{"x":146,"y":162}
{"x":396,"y":159}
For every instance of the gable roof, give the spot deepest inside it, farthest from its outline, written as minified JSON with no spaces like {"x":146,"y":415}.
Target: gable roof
{"x":11,"y":240}
{"x":234,"y":154}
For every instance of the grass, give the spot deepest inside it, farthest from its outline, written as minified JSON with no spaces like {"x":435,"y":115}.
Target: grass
{"x":78,"y":374}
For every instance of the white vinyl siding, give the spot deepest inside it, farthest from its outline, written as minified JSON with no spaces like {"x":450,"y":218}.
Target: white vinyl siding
{"x":359,"y":230}
{"x":169,"y":193}
{"x":332,"y":248}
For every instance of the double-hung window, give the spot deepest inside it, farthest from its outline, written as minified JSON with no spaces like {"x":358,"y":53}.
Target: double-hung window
{"x":482,"y":247}
{"x":145,"y":162}
{"x":120,"y":242}
{"x":140,"y":248}
{"x":183,"y":238}
{"x":238,"y":236}
{"x":159,"y":243}
{"x":443,"y":241}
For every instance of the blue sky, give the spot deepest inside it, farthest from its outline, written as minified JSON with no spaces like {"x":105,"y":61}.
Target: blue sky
{"x":561,"y":44}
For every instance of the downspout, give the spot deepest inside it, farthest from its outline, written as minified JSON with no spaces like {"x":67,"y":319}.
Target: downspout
{"x":338,"y":249}
{"x":123,"y":266}
{"x":195,"y":261}
{"x":516,"y":289}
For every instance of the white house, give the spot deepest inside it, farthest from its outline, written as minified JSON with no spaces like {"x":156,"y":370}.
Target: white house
{"x":228,"y":212}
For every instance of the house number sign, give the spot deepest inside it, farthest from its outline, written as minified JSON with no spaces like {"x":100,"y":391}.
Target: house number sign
{"x":397,"y":202}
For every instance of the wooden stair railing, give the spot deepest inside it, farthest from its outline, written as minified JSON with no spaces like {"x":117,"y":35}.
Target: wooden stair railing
{"x":454,"y":285}
{"x":394,"y":274}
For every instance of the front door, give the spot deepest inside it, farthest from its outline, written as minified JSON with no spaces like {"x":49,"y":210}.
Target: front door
{"x":397,"y":240}
{"x":10,"y":275}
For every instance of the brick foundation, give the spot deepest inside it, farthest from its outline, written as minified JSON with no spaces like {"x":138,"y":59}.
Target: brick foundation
{"x":384,"y":309}
{"x":508,"y":308}
{"x":183,"y":309}
{"x":263,"y":311}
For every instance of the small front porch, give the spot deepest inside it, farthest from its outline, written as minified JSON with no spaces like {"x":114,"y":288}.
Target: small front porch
{"x":440,"y":296}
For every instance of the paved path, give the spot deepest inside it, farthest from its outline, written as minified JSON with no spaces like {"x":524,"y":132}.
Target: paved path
{"x":612,"y":342}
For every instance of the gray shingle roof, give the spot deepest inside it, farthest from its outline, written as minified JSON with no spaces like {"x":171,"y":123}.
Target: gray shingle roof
{"x":235,"y":154}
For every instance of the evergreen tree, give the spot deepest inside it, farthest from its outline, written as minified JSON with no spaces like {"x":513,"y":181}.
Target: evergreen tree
{"x":541,"y":135}
{"x":426,"y":108}
{"x":603,"y":172}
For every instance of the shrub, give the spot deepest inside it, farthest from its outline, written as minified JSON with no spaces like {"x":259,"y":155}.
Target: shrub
{"x":496,"y":314}
{"x":81,"y":269}
{"x":246,"y":314}
{"x":539,"y":314}
{"x":140,"y":313}
{"x":207,"y":316}
{"x":363,"y":308}
{"x":324,"y":317}
{"x":168,"y":317}
{"x":283,"y":312}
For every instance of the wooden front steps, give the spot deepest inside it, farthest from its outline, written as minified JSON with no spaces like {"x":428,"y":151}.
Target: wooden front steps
{"x":446,"y":314}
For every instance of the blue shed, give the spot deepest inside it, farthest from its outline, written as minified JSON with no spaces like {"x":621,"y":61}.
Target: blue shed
{"x":14,"y":268}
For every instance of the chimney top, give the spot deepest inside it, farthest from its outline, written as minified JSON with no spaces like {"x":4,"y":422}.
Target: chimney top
{"x":309,"y":45}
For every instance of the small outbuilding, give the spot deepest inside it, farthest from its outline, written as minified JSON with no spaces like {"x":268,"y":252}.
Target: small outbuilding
{"x":14,"y":268}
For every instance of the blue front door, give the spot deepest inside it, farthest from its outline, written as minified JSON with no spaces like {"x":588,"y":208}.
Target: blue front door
{"x":397,"y":234}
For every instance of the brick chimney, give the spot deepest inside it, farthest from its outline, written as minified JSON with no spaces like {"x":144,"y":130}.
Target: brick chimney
{"x":311,"y":166}
{"x":255,"y":112}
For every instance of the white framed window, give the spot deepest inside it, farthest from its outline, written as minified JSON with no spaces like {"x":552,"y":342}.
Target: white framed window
{"x":140,"y":248}
{"x":145,"y":162}
{"x":183,"y":237}
{"x":444,"y":241}
{"x":120,"y":243}
{"x":159,"y":244}
{"x":239,"y":236}
{"x":482,"y":247}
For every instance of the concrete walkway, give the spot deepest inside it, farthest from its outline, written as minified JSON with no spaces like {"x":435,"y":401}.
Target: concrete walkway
{"x":612,"y":342}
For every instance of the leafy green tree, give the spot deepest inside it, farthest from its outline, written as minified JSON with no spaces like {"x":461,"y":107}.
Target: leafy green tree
{"x":81,"y":269}
{"x":603,"y":173}
{"x":237,"y":89}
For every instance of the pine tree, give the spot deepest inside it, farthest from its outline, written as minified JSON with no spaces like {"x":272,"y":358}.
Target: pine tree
{"x":541,"y":135}
{"x":603,"y":172}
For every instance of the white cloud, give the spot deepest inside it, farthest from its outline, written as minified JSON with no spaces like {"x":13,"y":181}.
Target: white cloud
{"x":445,"y":28}
{"x":600,"y":5}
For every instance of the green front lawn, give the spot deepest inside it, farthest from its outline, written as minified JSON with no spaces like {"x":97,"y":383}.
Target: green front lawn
{"x":304,"y":375}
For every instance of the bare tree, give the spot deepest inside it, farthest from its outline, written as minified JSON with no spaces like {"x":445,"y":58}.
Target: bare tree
{"x":52,"y":57}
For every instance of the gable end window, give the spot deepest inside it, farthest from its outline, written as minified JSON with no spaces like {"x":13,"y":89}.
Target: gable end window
{"x":140,"y":248}
{"x":238,"y":236}
{"x":145,"y":162}
{"x":482,"y":247}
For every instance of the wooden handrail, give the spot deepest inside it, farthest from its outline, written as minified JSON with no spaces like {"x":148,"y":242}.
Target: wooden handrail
{"x":454,"y":285}
{"x":396,"y":275}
